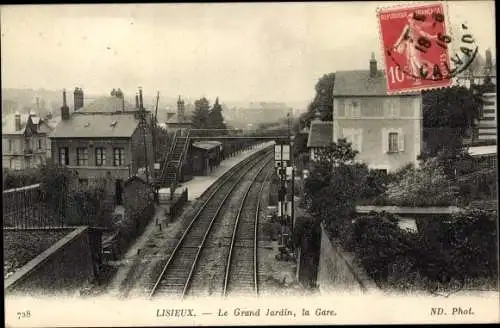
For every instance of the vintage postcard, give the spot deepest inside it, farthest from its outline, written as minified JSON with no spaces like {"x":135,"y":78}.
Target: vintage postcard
{"x":249,"y":164}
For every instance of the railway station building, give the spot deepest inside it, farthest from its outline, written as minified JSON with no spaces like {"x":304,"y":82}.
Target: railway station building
{"x":205,"y":156}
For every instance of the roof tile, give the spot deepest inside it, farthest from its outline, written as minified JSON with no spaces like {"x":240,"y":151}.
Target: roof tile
{"x":81,"y":125}
{"x":360,"y":83}
{"x":320,"y":134}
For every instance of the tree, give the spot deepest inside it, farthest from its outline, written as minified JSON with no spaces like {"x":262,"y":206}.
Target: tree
{"x":201,"y":113}
{"x":334,"y":184}
{"x":449,"y":113}
{"x":215,"y":118}
{"x":322,"y":102}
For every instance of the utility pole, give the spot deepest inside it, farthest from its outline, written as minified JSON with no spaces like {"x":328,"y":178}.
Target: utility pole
{"x":154,"y":131}
{"x":290,"y":138}
{"x":282,"y":193}
{"x":144,"y":124}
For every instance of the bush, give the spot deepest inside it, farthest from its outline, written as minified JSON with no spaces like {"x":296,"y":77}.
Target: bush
{"x":85,"y":207}
{"x":424,"y":186}
{"x":480,"y":185}
{"x":452,"y":250}
{"x":17,"y":179}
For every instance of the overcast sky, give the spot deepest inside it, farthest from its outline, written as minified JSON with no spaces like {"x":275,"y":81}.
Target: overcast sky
{"x":261,"y":51}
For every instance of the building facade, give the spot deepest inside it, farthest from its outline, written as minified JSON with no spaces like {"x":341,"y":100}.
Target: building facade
{"x":108,"y":141}
{"x":487,"y":125}
{"x":25,"y":142}
{"x":385,"y":129}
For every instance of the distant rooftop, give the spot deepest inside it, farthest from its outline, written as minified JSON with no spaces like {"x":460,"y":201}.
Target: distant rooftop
{"x":108,"y":104}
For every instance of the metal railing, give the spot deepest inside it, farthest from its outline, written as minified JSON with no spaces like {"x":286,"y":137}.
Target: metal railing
{"x":165,"y":159}
{"x":181,"y":159}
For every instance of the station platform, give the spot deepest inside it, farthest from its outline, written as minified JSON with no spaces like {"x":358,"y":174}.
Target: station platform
{"x":197,"y":186}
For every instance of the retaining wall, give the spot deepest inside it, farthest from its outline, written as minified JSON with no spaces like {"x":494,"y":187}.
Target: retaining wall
{"x":337,"y":270}
{"x":63,"y":268}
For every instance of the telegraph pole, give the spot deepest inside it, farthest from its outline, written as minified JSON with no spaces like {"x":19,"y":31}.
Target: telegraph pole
{"x":154,"y":131}
{"x":290,"y":138}
{"x":144,"y":123}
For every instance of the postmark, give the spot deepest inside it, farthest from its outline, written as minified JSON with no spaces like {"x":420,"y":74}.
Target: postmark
{"x":419,"y":51}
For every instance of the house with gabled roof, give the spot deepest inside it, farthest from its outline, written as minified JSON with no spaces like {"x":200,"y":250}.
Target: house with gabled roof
{"x":108,"y":140}
{"x":385,"y":129}
{"x":25,"y":142}
{"x":320,"y":137}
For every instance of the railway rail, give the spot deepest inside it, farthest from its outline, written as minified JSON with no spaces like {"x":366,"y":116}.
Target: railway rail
{"x":241,"y":275}
{"x":176,"y":275}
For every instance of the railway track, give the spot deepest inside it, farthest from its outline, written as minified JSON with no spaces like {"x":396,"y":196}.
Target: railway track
{"x":175,"y":278}
{"x":241,"y":275}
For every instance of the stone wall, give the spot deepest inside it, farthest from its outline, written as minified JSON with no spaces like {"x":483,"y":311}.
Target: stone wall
{"x":63,"y":268}
{"x":337,"y":270}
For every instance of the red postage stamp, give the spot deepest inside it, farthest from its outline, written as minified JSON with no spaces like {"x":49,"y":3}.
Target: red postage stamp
{"x":416,"y":48}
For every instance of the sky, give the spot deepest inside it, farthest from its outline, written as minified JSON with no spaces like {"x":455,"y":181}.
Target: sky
{"x":238,"y":51}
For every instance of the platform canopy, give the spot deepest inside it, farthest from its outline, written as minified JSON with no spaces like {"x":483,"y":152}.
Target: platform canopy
{"x":207,"y":145}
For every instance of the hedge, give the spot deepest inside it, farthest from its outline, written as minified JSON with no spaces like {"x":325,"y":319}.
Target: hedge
{"x":452,"y":250}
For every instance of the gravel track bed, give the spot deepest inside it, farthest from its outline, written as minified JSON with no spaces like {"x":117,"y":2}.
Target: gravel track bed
{"x":208,"y":278}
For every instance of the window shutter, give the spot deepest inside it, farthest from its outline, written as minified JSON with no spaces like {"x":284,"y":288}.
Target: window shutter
{"x":401,"y":140}
{"x":385,"y":141}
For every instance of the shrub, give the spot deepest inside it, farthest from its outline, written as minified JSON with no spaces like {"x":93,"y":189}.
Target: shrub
{"x":477,"y":186}
{"x":17,"y":179}
{"x":451,"y":250}
{"x":424,"y":186}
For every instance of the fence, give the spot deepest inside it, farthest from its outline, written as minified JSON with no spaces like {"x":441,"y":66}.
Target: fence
{"x":26,"y":208}
{"x":31,"y":207}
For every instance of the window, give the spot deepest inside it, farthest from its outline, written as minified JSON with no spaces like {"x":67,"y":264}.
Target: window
{"x":100,"y":156}
{"x":393,"y":142}
{"x":11,"y":145}
{"x":82,"y":156}
{"x":63,"y":156}
{"x":117,"y":156}
{"x":39,"y":143}
{"x":392,"y":107}
{"x":83,"y":182}
{"x":353,"y":108}
{"x":15,"y":164}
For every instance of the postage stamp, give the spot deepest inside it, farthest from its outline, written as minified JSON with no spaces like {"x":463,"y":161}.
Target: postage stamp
{"x":419,"y":50}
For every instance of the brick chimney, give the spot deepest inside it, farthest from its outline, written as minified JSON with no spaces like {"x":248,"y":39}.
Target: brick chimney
{"x":373,"y":66}
{"x":64,"y":108}
{"x":119,"y":93}
{"x":17,"y":120}
{"x":141,"y":104}
{"x":180,"y":109}
{"x":136,"y":101}
{"x":78,"y":98}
